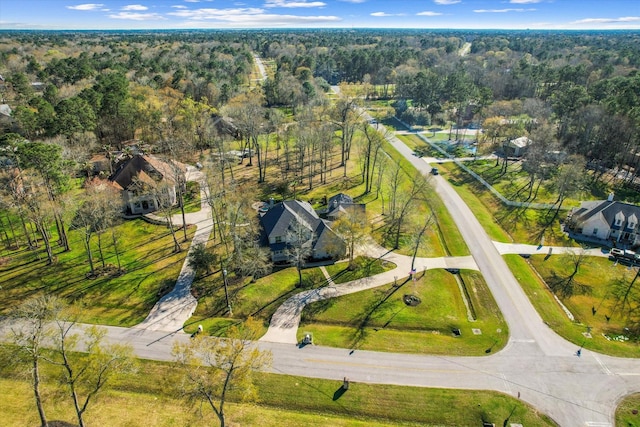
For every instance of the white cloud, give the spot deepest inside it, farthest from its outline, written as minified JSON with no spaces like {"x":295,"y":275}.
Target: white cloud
{"x":287,"y":3}
{"x":608,"y":20}
{"x":247,"y":18}
{"x":502,"y":10}
{"x":132,"y":16}
{"x":428,"y":13}
{"x":354,"y":1}
{"x":86,"y":6}
{"x":135,"y":7}
{"x":379,"y":14}
{"x":179,"y":7}
{"x":524,"y":1}
{"x":446,"y":2}
{"x":203,"y":14}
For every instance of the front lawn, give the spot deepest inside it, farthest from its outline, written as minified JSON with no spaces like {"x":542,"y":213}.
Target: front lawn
{"x":258,"y":299}
{"x":148,"y":263}
{"x":590,"y":309}
{"x":380,"y":319}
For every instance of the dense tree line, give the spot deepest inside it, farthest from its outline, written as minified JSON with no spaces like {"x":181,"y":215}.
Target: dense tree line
{"x":570,"y":92}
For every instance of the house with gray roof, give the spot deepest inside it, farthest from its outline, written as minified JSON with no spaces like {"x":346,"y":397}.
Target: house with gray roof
{"x":280,"y":219}
{"x":338,"y":204}
{"x":605,"y":221}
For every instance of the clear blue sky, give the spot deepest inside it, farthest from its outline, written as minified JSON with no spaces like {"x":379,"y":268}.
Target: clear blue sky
{"x":178,"y":14}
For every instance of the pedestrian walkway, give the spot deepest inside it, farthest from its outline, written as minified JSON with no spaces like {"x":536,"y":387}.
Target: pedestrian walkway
{"x":519,"y":248}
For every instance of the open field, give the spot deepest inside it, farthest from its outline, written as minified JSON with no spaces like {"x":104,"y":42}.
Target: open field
{"x":148,"y":398}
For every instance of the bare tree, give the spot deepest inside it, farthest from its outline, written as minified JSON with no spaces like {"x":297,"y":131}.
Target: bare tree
{"x":353,"y":226}
{"x":86,"y":376}
{"x":569,"y":285}
{"x":299,"y":241}
{"x":345,"y":116}
{"x":212,"y":368}
{"x":370,"y":151}
{"x":165,"y":198}
{"x":29,"y":333}
{"x":404,"y":199}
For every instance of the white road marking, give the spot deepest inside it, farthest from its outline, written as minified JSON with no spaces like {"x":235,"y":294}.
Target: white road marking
{"x":506,"y":384}
{"x":602,"y":365}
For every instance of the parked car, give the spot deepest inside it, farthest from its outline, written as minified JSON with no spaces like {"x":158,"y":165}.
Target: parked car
{"x":615,"y":252}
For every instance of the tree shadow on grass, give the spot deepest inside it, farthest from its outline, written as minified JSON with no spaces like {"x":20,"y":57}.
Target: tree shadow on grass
{"x":371,"y":312}
{"x":567,"y":286}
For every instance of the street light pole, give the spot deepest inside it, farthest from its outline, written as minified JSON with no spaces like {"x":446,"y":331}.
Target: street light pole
{"x":226,"y":291}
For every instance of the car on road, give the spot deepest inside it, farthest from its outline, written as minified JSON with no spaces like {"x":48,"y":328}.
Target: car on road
{"x":434,"y":171}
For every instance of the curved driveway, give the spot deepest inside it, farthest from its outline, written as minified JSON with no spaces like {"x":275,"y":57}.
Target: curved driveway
{"x":536,"y":365}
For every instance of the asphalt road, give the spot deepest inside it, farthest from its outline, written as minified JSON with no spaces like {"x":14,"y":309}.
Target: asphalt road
{"x":537,"y":365}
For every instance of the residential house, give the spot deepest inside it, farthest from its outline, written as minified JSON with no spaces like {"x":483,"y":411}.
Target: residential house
{"x":516,"y":147}
{"x":605,"y":221}
{"x":283,"y":217}
{"x":338,"y":204}
{"x":140,"y":176}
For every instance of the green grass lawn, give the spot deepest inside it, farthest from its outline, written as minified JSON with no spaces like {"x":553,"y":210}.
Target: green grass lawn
{"x":501,"y":222}
{"x":146,"y":255}
{"x":628,"y":411}
{"x":362,"y":267}
{"x":259,"y":299}
{"x":148,"y":398}
{"x":596,"y":273}
{"x":445,"y":238}
{"x":379,"y":319}
{"x":191,"y":199}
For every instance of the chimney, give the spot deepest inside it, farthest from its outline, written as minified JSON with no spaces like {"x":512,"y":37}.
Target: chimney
{"x":610,"y":198}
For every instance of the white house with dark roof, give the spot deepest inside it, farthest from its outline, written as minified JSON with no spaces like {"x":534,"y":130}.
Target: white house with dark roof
{"x":282,"y":217}
{"x":615,"y":223}
{"x":138,"y":176}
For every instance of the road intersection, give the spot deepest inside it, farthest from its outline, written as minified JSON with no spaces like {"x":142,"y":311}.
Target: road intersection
{"x":537,"y":365}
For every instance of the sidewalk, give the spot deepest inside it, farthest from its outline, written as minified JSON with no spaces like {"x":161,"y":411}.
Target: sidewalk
{"x":285,"y":321}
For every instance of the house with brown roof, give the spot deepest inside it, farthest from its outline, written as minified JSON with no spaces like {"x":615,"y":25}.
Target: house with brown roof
{"x":142,"y":176}
{"x":605,"y":221}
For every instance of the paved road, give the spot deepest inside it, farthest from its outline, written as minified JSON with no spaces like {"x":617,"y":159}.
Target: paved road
{"x":536,"y":364}
{"x":575,"y":391}
{"x":261,"y":69}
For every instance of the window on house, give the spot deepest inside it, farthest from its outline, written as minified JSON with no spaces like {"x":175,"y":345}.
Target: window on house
{"x":595,"y":231}
{"x":278,"y":239}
